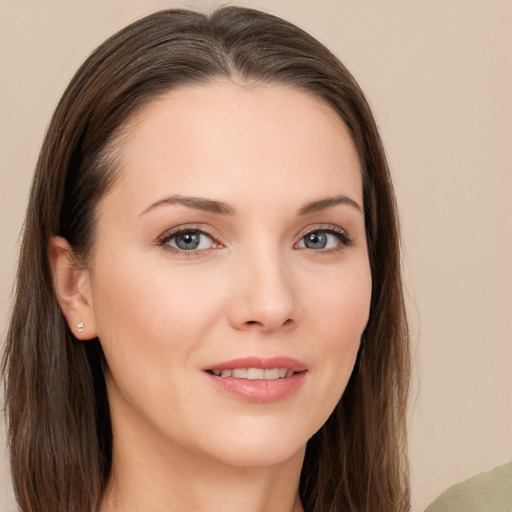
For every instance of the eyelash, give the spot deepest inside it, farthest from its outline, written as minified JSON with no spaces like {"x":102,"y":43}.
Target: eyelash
{"x":170,"y":235}
{"x":343,"y":238}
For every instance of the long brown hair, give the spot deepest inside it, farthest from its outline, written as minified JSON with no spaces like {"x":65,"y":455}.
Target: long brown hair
{"x":59,"y":427}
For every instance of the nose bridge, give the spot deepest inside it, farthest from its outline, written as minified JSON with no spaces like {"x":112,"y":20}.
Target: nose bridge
{"x":265,"y":296}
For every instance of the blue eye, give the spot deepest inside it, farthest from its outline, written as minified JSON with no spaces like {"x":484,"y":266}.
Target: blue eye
{"x":316,"y":240}
{"x":189,"y":240}
{"x":323,"y":240}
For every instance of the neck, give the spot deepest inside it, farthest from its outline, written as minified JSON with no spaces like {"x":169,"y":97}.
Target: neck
{"x":151,"y":483}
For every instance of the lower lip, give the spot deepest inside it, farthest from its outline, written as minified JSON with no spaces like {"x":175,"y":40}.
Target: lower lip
{"x":261,"y":391}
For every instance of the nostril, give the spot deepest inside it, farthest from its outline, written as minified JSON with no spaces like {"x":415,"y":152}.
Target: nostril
{"x":286,"y":323}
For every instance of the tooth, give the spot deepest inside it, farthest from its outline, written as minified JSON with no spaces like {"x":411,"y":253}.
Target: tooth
{"x":271,"y":374}
{"x":255,"y":373}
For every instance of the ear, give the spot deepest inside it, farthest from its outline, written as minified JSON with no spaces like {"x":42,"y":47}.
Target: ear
{"x":73,"y":289}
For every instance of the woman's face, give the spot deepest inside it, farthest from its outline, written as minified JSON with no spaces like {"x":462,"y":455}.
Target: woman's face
{"x":229,"y":282}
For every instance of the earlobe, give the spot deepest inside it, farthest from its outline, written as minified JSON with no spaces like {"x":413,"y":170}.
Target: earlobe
{"x":72,"y":288}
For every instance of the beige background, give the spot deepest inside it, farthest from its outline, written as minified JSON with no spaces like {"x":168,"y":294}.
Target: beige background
{"x":439,"y":77}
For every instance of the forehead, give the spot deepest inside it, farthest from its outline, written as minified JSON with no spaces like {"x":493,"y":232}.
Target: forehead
{"x":238,"y":137}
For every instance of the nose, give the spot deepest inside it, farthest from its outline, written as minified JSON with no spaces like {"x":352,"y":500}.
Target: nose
{"x":264,"y":297}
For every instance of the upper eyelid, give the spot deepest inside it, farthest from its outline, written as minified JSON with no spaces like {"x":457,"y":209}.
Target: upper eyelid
{"x":322,"y":227}
{"x":173,"y":232}
{"x":345,"y":239}
{"x":166,"y":237}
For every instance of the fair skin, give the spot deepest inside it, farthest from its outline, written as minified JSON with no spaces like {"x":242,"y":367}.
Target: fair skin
{"x":266,"y":259}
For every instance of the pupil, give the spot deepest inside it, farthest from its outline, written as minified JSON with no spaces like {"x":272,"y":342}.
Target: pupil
{"x":316,"y":241}
{"x":188,"y":241}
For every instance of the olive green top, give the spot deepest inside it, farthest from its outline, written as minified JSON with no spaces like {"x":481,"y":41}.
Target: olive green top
{"x":487,"y":492}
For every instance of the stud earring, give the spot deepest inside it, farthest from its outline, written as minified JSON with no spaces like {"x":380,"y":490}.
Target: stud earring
{"x":80,"y":326}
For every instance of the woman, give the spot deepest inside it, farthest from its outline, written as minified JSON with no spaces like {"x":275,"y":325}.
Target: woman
{"x":209,"y":310}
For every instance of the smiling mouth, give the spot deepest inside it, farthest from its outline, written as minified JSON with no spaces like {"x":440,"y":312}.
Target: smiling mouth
{"x":254,"y":373}
{"x":258,"y":379}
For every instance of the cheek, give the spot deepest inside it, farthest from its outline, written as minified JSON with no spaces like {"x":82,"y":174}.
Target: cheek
{"x":340,"y":307}
{"x":152,"y":320}
{"x":148,"y":315}
{"x":339,"y":314}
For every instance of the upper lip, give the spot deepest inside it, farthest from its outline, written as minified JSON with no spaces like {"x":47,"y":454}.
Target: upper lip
{"x":265,"y":363}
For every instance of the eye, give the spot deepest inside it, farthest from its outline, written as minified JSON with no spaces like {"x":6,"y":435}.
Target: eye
{"x":188,"y":240}
{"x":324,"y":239}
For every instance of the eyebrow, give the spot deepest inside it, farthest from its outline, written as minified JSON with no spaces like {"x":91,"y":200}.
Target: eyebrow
{"x":198,"y":203}
{"x":328,"y":202}
{"x":222,"y":208}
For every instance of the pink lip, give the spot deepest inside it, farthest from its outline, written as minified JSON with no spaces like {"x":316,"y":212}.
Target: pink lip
{"x":260,"y":362}
{"x":260,"y":391}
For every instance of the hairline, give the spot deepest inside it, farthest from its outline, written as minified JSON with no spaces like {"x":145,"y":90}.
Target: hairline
{"x":111,"y":154}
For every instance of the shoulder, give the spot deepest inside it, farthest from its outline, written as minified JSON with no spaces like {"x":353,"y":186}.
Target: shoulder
{"x":490,"y":491}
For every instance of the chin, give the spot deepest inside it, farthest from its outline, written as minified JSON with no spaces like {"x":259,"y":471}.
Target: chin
{"x":259,"y":447}
{"x":250,"y":457}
